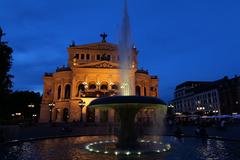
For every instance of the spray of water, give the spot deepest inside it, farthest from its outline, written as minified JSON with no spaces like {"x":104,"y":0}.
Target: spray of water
{"x":128,"y":73}
{"x":125,"y":54}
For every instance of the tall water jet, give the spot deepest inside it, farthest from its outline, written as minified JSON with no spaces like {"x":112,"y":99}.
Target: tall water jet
{"x":127,"y":105}
{"x":126,"y":55}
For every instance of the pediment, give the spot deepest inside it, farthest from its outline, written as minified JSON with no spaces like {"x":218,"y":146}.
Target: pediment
{"x":102,"y":64}
{"x":98,"y":46}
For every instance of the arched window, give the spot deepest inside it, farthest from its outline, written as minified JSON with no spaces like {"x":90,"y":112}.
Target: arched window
{"x":92,"y":86}
{"x":138,"y":91}
{"x":145,"y":91}
{"x":67,"y":91}
{"x":59,"y":92}
{"x":115,"y":87}
{"x":65,"y":114}
{"x":104,"y":86}
{"x":81,"y":88}
{"x":90,"y":114}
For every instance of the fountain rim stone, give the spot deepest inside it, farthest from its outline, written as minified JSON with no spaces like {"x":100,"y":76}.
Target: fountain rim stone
{"x":130,"y":101}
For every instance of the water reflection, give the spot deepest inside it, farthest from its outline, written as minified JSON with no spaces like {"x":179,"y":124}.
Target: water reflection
{"x":73,"y":149}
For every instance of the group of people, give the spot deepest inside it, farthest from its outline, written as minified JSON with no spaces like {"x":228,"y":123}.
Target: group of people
{"x":199,"y":132}
{"x":219,"y":123}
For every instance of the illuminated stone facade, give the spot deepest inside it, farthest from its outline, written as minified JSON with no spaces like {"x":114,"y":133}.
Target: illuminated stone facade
{"x":93,"y":71}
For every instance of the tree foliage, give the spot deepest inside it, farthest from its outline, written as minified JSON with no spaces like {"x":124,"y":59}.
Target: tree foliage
{"x":5,"y":76}
{"x":20,"y":100}
{"x":5,"y":66}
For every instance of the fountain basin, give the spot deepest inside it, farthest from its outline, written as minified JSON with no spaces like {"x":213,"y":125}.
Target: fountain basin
{"x":126,"y":107}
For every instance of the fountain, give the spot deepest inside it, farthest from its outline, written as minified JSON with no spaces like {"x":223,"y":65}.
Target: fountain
{"x":127,"y":106}
{"x":127,"y":142}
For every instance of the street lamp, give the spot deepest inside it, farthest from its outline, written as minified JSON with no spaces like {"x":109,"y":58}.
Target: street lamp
{"x":201,"y":110}
{"x":215,"y":111}
{"x":51,"y":106}
{"x":171,"y":106}
{"x":170,"y":109}
{"x":31,"y":107}
{"x":81,"y":104}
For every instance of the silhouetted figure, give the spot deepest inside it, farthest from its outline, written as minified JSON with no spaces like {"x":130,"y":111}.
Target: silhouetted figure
{"x":110,"y":128}
{"x":178,"y":132}
{"x":170,"y":122}
{"x":104,"y":36}
{"x":197,"y":131}
{"x":222,"y":124}
{"x":203,"y":132}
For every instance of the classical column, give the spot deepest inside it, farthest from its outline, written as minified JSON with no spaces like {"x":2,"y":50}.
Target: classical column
{"x":84,"y":114}
{"x":59,"y":115}
{"x":110,"y":116}
{"x":97,"y":115}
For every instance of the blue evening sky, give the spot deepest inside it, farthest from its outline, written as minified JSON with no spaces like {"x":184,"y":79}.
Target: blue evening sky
{"x":178,"y":40}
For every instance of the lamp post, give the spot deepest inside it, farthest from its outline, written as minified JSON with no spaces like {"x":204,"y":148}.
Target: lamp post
{"x":81,"y":104}
{"x":201,"y":109}
{"x":31,"y":107}
{"x":171,"y":106}
{"x":215,"y":112}
{"x":170,"y":109}
{"x":51,"y":106}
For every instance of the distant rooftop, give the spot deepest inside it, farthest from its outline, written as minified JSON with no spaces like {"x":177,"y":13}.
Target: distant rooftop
{"x":63,"y":68}
{"x":191,"y":84}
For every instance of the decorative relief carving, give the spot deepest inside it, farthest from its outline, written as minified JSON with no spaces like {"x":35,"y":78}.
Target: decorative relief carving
{"x":101,"y":46}
{"x":99,"y":65}
{"x":104,"y":65}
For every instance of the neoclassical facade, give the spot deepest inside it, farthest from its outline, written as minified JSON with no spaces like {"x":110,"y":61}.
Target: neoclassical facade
{"x":93,"y":71}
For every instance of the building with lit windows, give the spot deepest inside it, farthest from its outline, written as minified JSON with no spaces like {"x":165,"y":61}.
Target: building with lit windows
{"x":196,"y":97}
{"x":93,"y":71}
{"x":218,"y":97}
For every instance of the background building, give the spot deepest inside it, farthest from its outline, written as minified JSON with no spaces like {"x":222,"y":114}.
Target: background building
{"x":93,"y":71}
{"x":218,"y":97}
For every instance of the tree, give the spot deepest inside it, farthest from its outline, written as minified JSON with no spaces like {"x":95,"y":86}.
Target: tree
{"x":19,"y":102}
{"x":5,"y":77}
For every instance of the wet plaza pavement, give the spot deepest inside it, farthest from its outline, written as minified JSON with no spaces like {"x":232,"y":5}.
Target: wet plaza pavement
{"x":73,"y":148}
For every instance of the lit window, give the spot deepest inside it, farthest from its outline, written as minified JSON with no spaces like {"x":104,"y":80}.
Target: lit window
{"x":77,"y":56}
{"x":81,"y":88}
{"x":138,"y":91}
{"x":115,"y":87}
{"x":82,"y":56}
{"x":104,"y":87}
{"x":67,"y":91}
{"x":88,"y":57}
{"x":92,"y":86}
{"x":109,"y":57}
{"x":59,"y":92}
{"x":98,"y":57}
